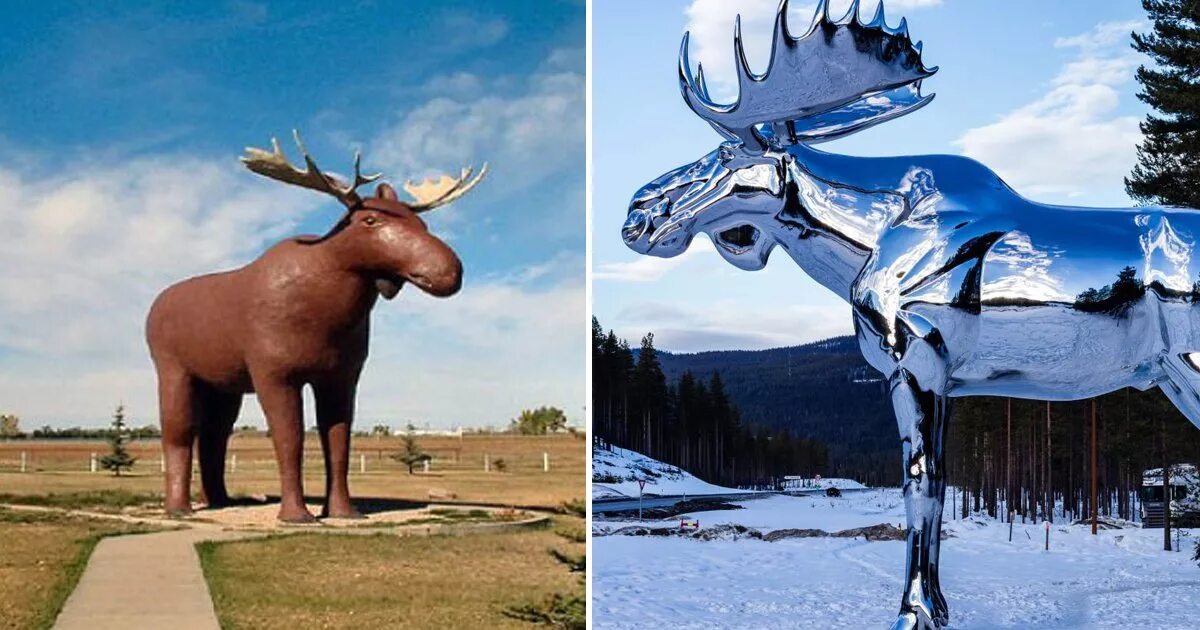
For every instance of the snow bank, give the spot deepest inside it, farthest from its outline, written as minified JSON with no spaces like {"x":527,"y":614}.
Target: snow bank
{"x":615,"y":473}
{"x":774,"y":512}
{"x":821,"y":484}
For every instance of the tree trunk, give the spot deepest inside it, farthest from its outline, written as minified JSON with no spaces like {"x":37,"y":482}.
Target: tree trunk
{"x":1095,"y":473}
{"x":1166,"y":487}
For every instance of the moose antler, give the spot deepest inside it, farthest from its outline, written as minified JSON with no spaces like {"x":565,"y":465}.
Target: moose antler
{"x":839,"y":77}
{"x":274,"y":164}
{"x":431,"y":193}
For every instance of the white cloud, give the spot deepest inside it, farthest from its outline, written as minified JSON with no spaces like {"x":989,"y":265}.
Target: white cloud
{"x":710,"y":23}
{"x":725,"y":324}
{"x":1071,"y":140}
{"x":467,"y":30}
{"x":645,"y":268}
{"x":530,"y":132}
{"x":89,"y":248}
{"x":1103,"y":35}
{"x":479,"y":357}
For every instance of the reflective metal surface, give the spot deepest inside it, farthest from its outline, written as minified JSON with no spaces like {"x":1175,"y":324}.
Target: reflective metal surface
{"x":958,"y":285}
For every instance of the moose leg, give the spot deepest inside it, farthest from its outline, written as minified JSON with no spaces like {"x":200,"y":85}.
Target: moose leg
{"x":335,"y":413}
{"x":220,"y":411}
{"x":176,"y":406}
{"x":283,"y":407}
{"x":921,"y":415}
{"x":1183,"y":386}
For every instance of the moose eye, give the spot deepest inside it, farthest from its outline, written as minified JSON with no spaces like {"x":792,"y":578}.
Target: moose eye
{"x":370,"y":221}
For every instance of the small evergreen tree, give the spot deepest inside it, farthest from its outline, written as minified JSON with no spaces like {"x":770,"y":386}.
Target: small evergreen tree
{"x":118,"y":458}
{"x":1168,"y":169}
{"x":412,"y":453}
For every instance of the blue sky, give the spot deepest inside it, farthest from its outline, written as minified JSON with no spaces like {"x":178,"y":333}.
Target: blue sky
{"x":1042,"y":92}
{"x":119,"y":137}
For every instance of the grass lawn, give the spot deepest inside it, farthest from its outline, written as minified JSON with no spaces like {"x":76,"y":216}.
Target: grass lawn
{"x":384,"y":581}
{"x":42,"y":556}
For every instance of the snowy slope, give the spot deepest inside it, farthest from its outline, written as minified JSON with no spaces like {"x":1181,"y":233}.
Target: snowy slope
{"x":615,"y":473}
{"x":1120,"y":578}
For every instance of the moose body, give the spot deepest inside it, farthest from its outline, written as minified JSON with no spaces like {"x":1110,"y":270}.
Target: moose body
{"x":958,"y":285}
{"x":298,"y":315}
{"x":217,"y":337}
{"x":999,"y":278}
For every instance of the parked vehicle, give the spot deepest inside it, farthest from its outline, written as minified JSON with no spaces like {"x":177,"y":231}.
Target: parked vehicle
{"x":1184,"y":482}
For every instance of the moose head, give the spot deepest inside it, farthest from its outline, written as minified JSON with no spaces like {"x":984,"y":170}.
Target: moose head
{"x":840,"y":77}
{"x":380,"y":236}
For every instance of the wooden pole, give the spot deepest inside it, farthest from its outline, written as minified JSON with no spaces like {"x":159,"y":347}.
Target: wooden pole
{"x":1095,"y":475}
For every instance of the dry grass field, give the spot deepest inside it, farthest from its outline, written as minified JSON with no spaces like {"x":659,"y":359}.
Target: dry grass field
{"x":41,"y":559}
{"x":457,"y":469}
{"x":309,"y":581}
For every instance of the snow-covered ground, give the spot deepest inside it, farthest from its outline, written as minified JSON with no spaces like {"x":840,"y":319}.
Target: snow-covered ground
{"x":1119,"y":578}
{"x":821,"y":484}
{"x":615,"y":474}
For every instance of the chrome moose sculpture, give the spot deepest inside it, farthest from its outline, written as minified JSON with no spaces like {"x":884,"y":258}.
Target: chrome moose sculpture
{"x":958,"y":285}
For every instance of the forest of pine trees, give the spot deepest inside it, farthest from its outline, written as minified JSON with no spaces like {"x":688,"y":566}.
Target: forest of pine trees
{"x":690,"y":423}
{"x":1037,"y":459}
{"x":1043,"y":458}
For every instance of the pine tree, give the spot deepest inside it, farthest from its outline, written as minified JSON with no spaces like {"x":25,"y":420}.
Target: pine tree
{"x":412,"y":453}
{"x":118,"y":458}
{"x":650,"y":387}
{"x":1168,"y":169}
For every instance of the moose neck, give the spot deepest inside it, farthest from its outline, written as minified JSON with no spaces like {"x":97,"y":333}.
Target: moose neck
{"x":348,"y":294}
{"x":840,"y":221}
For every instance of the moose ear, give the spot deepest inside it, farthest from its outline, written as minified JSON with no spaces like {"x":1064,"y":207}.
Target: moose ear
{"x":385,"y":191}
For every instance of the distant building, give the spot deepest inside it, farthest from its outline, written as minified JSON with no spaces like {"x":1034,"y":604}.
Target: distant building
{"x":427,"y":431}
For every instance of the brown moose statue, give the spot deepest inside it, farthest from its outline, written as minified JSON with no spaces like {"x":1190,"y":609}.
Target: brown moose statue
{"x":298,"y":315}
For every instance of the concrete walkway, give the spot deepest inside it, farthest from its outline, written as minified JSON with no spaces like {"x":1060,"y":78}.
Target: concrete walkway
{"x":144,"y":581}
{"x":154,"y":581}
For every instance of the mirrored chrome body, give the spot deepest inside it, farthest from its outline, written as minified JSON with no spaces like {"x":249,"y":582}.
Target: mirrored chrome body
{"x":958,"y":285}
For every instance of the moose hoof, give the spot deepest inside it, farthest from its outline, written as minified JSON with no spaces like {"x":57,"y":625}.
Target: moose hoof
{"x":915,"y":621}
{"x":179,"y":512}
{"x":216,"y":504}
{"x":301,"y":517}
{"x":348,"y":513}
